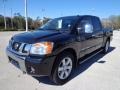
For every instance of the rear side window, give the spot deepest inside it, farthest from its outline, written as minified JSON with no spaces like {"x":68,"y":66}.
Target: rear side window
{"x":96,"y":24}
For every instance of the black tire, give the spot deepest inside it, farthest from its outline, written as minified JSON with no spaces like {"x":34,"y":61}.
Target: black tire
{"x":58,"y":64}
{"x":106,"y":47}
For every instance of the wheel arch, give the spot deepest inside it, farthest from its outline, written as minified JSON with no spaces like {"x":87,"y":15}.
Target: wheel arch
{"x":70,"y":50}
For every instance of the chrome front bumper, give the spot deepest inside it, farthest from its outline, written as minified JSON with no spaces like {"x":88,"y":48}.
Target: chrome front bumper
{"x":32,"y":66}
{"x":17,"y":58}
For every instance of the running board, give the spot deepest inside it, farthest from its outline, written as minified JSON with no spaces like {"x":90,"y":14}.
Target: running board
{"x":84,"y":60}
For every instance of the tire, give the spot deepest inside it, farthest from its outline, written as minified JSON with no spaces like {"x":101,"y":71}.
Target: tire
{"x":106,"y":47}
{"x":62,"y":69}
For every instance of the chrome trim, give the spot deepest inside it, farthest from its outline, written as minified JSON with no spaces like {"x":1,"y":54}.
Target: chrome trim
{"x":20,"y":49}
{"x":90,"y":57}
{"x":90,"y":47}
{"x":19,"y":53}
{"x":19,"y":59}
{"x":86,"y":48}
{"x":22,"y":65}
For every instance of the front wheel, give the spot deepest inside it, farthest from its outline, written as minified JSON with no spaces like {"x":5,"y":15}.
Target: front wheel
{"x":63,"y":68}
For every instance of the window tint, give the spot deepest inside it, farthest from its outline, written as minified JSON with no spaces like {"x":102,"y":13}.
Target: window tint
{"x":96,"y":24}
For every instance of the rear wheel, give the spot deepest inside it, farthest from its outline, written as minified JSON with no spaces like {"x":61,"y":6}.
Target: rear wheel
{"x":63,"y":68}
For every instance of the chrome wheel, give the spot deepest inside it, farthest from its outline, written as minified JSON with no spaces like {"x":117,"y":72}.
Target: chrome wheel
{"x":65,"y":68}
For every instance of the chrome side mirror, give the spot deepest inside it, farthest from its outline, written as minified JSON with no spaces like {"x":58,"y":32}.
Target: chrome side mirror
{"x":88,"y":28}
{"x":79,"y":30}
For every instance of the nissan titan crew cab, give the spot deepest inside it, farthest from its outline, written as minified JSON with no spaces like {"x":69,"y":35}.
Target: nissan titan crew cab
{"x":58,"y":46}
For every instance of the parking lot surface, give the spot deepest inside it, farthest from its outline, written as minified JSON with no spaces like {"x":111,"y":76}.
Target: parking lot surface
{"x":101,"y":72}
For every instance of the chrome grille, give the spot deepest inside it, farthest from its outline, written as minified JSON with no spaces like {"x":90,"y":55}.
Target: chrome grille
{"x":18,"y":47}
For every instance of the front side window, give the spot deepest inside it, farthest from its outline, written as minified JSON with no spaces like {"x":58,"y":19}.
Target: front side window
{"x":86,"y":25}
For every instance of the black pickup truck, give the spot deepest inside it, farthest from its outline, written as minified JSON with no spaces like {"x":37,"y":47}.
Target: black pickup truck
{"x":56,"y":48}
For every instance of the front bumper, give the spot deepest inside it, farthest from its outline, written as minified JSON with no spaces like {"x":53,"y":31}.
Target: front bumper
{"x":31,"y":65}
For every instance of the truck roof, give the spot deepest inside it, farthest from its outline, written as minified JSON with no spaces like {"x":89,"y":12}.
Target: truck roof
{"x":76,"y":16}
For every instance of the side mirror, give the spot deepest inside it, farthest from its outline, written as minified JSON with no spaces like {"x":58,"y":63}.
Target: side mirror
{"x":79,"y":29}
{"x":85,"y":28}
{"x":88,"y":28}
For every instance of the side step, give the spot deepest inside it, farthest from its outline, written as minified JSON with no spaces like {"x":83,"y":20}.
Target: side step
{"x":93,"y":54}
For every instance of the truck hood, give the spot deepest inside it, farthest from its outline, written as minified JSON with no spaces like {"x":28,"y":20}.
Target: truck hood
{"x":34,"y":36}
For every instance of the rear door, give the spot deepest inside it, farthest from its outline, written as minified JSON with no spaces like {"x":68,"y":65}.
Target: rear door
{"x":97,"y":32}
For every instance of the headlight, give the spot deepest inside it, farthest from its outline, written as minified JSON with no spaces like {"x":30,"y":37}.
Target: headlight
{"x":42,"y":48}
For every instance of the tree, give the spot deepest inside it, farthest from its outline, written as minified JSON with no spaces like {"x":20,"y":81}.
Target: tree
{"x":112,"y":22}
{"x":19,"y":21}
{"x":45,"y":20}
{"x":1,"y":21}
{"x":30,"y":23}
{"x":37,"y":22}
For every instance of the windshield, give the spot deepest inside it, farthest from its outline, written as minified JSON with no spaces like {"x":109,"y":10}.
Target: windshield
{"x":59,"y":24}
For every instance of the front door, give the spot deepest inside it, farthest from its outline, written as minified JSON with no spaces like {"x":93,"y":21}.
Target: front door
{"x":86,"y":36}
